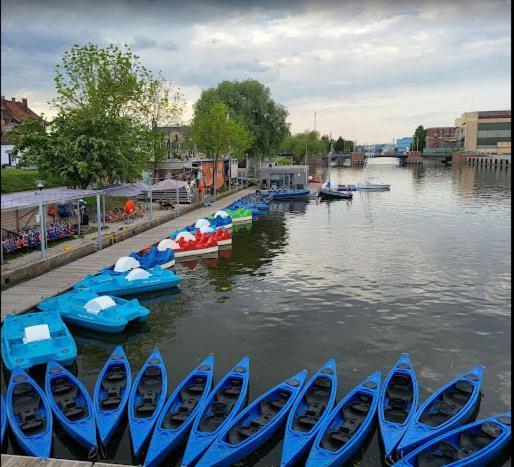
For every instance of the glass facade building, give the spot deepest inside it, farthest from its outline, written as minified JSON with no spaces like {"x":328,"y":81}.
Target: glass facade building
{"x":403,"y":144}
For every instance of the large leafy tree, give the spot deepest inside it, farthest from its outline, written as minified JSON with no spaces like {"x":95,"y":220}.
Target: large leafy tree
{"x":419,"y":142}
{"x":303,"y":145}
{"x":250,"y":103}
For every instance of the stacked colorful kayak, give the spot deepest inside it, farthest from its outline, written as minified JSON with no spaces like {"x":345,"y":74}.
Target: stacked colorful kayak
{"x":34,"y":338}
{"x":152,"y":256}
{"x":132,"y":282}
{"x":104,"y":313}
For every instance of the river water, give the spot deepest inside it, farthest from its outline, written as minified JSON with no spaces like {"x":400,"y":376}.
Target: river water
{"x":423,"y":268}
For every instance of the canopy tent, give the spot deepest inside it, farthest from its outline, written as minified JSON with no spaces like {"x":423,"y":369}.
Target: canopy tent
{"x":128,"y":190}
{"x":168,"y":184}
{"x":28,"y":199}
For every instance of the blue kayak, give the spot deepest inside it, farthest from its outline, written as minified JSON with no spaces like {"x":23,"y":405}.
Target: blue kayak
{"x":3,"y":415}
{"x":71,"y":404}
{"x":310,"y":410}
{"x":29,"y":414}
{"x":111,"y":394}
{"x":153,"y":257}
{"x":87,"y":309}
{"x":398,"y":402}
{"x":147,"y":397}
{"x":131,"y":282}
{"x":277,"y":195}
{"x":179,"y":412}
{"x":346,"y":428}
{"x":33,"y":338}
{"x":223,"y":404}
{"x":254,"y":425}
{"x":450,"y":406}
{"x":476,"y":444}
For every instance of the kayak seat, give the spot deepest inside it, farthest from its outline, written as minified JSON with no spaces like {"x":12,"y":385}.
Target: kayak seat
{"x":399,"y":395}
{"x":113,"y":383}
{"x":438,"y":414}
{"x":443,"y":454}
{"x":471,"y":442}
{"x":65,"y":395}
{"x":149,"y":388}
{"x":458,"y":394}
{"x":26,"y":401}
{"x":230,"y":393}
{"x":316,"y":397}
{"x":221,"y":407}
{"x":190,"y":395}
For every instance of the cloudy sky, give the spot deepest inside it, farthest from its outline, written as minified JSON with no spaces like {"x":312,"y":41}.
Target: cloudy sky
{"x":371,"y":70}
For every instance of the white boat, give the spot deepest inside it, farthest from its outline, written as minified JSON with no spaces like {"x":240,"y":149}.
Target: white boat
{"x":367,"y":185}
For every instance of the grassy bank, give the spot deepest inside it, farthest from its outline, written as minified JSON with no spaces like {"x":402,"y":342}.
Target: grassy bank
{"x":14,"y":179}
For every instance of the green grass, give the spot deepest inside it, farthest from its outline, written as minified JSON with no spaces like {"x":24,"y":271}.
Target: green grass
{"x":14,"y":179}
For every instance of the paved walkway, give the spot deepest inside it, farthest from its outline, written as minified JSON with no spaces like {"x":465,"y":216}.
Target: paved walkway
{"x":9,"y":460}
{"x":24,"y":296}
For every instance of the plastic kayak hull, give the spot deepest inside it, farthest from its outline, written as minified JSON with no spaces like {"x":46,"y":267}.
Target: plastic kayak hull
{"x":3,"y":416}
{"x":335,"y":194}
{"x":109,"y":412}
{"x":419,"y":431}
{"x":141,"y":426}
{"x":82,"y":430}
{"x":225,"y":450}
{"x":366,"y":393}
{"x":182,"y":403}
{"x":201,"y":437}
{"x":496,"y":430}
{"x":285,"y":194}
{"x":398,"y":377}
{"x":35,"y":440}
{"x":312,"y":407}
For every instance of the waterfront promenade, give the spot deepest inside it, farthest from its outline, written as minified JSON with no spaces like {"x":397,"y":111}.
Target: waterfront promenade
{"x":25,"y":461}
{"x":24,"y":296}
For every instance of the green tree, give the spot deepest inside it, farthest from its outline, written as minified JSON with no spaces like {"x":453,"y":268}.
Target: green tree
{"x":419,"y":142}
{"x":303,"y":146}
{"x":250,"y":103}
{"x":339,"y":145}
{"x":216,"y":133}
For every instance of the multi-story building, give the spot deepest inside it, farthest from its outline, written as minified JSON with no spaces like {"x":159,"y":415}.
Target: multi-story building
{"x":485,"y":132}
{"x":403,"y":144}
{"x":442,"y":137}
{"x":176,"y":142}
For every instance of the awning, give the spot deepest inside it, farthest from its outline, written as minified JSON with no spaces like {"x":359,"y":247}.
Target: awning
{"x":168,"y":184}
{"x":128,"y":190}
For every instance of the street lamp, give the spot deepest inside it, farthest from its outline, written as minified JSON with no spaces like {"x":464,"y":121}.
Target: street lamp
{"x":40,"y":184}
{"x":42,"y":221}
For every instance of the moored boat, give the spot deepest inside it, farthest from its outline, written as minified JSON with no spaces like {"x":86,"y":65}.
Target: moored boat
{"x":329,"y":193}
{"x":187,"y":244}
{"x":240,"y":215}
{"x":285,"y":194}
{"x":3,"y":416}
{"x":153,"y":256}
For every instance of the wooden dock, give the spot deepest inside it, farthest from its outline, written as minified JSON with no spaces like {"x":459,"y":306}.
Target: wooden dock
{"x":9,"y":460}
{"x":26,"y":295}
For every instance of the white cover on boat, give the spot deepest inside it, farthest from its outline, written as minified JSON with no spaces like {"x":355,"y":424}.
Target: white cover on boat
{"x":202,"y":223}
{"x":137,"y":274}
{"x":221,"y":213}
{"x":329,"y":185}
{"x":38,"y":332}
{"x":206,"y":230}
{"x":168,"y":243}
{"x":96,"y":305}
{"x":187,"y":236}
{"x":126,"y":263}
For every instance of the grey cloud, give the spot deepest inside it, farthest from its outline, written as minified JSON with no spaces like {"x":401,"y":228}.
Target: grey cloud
{"x":143,"y":42}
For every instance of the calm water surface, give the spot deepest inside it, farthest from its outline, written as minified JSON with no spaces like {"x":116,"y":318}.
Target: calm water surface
{"x":424,"y":269}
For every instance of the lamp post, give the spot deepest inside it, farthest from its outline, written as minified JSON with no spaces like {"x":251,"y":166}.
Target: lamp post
{"x":42,"y":224}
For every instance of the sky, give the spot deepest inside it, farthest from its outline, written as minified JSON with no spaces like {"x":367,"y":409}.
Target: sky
{"x":371,"y":71}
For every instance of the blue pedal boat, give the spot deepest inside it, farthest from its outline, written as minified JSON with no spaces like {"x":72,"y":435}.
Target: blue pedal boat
{"x":310,"y":410}
{"x":111,"y":394}
{"x":223,"y":404}
{"x":29,"y":414}
{"x":146,"y":399}
{"x":476,"y":444}
{"x":3,"y":415}
{"x":155,"y":257}
{"x":254,"y":425}
{"x":87,"y":309}
{"x":180,"y":410}
{"x":285,"y":195}
{"x":450,"y":406}
{"x":347,"y":426}
{"x":33,"y":338}
{"x":398,"y":402}
{"x":131,"y":282}
{"x":71,"y":404}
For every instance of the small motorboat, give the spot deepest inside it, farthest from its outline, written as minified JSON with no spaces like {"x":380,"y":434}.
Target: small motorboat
{"x":475,"y":444}
{"x":3,"y":416}
{"x":313,"y":405}
{"x":448,"y":407}
{"x":347,"y":426}
{"x":104,"y":313}
{"x":29,"y":414}
{"x":398,"y":402}
{"x":71,"y":405}
{"x":132,"y":282}
{"x":146,"y":399}
{"x":223,"y":404}
{"x":240,"y":215}
{"x":254,"y":425}
{"x":180,"y":410}
{"x":367,"y":185}
{"x":330,"y":193}
{"x":34,"y":338}
{"x":152,"y":256}
{"x":111,"y":394}
{"x":285,"y":195}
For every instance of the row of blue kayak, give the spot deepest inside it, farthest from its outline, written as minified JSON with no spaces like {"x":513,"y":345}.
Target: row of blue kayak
{"x":221,"y":431}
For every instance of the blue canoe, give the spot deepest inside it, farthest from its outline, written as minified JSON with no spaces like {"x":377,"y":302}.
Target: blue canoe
{"x":71,"y":405}
{"x":153,"y":257}
{"x":147,"y":397}
{"x":29,"y":414}
{"x":127,"y":283}
{"x":111,"y":394}
{"x":34,"y":338}
{"x":450,"y":406}
{"x":254,"y":425}
{"x":476,"y":444}
{"x":277,"y":195}
{"x":180,"y":410}
{"x":223,"y":404}
{"x":347,"y":426}
{"x":398,"y":402}
{"x":108,"y":314}
{"x":310,"y":410}
{"x":3,"y":415}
